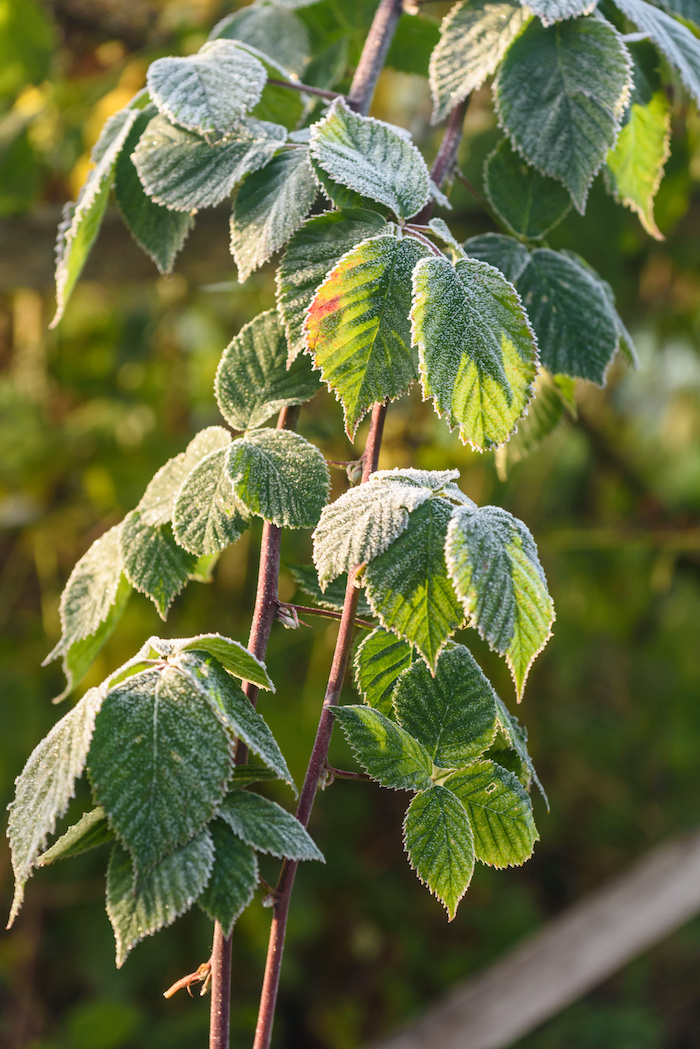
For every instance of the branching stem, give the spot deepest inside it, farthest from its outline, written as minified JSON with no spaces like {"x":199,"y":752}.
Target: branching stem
{"x":327,"y":613}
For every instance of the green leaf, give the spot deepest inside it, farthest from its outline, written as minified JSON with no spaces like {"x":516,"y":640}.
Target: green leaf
{"x":529,"y":203}
{"x":387,"y":752}
{"x":514,"y":736}
{"x":157,"y":230}
{"x":311,"y":254}
{"x":207,"y":517}
{"x":279,"y":476}
{"x":244,"y":775}
{"x":453,"y":713}
{"x":675,"y":41}
{"x":234,"y":878}
{"x":550,"y":11}
{"x":371,"y":158}
{"x":440,"y":845}
{"x":184,"y":172}
{"x":156,"y":899}
{"x":688,"y":10}
{"x":636,"y":165}
{"x":269,"y":207}
{"x":233,"y":656}
{"x":209,"y":91}
{"x":546,"y":410}
{"x":500,"y":813}
{"x":474,"y":37}
{"x":272,"y":29}
{"x":267,"y":827}
{"x":253,"y":381}
{"x":492,"y":561}
{"x":333,"y":597}
{"x":358,"y":329}
{"x":159,"y":762}
{"x":560,"y":95}
{"x":505,"y":253}
{"x":575,"y":327}
{"x":153,"y":562}
{"x":45,"y":787}
{"x":408,"y":587}
{"x":478,"y":354}
{"x":233,"y":709}
{"x":379,"y":661}
{"x":82,"y":220}
{"x":158,"y":501}
{"x":91,"y":830}
{"x":362,"y":523}
{"x":92,"y":604}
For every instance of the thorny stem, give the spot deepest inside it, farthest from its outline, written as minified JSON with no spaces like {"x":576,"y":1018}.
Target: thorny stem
{"x":295,"y":85}
{"x":445,"y":163}
{"x":373,"y":55}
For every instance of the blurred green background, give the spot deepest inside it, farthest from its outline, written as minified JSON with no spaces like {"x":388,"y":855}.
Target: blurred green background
{"x":88,"y":413}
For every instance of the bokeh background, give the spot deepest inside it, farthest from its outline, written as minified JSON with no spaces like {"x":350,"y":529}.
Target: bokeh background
{"x":89,"y":412}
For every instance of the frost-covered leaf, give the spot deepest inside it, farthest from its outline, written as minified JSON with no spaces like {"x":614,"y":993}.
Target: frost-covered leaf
{"x":560,"y":95}
{"x":546,"y":410}
{"x":474,"y":37}
{"x":550,"y":11}
{"x":311,"y":254}
{"x":207,"y":516}
{"x":362,"y":523}
{"x":529,"y":203}
{"x":91,"y":830}
{"x":184,"y":171}
{"x":153,"y":562}
{"x":333,"y":597}
{"x":675,"y":41}
{"x":442,"y":231}
{"x":268,"y":827}
{"x":233,"y":709}
{"x":408,"y":587}
{"x":45,"y":787}
{"x":233,"y":656}
{"x":440,"y":846}
{"x":689,"y":10}
{"x":514,"y":735}
{"x":453,"y":713}
{"x":492,"y":561}
{"x":279,"y":476}
{"x":273,"y":29}
{"x":159,"y":762}
{"x":505,"y":253}
{"x":158,"y":501}
{"x":244,"y":775}
{"x":209,"y":91}
{"x":82,"y":220}
{"x":233,"y":880}
{"x":253,"y":381}
{"x":157,"y":230}
{"x":139,"y":908}
{"x":378,"y":662}
{"x":92,"y":603}
{"x":500,"y":813}
{"x":371,"y":158}
{"x":478,"y":355}
{"x":358,"y":329}
{"x":385,"y":750}
{"x":576,"y":330}
{"x":635,"y":166}
{"x":269,"y":207}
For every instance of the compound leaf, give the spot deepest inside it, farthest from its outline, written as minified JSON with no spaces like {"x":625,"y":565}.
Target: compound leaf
{"x":385,"y":750}
{"x":234,"y":877}
{"x":279,"y":476}
{"x":492,"y":561}
{"x":207,"y":517}
{"x":529,"y":203}
{"x":500,"y":813}
{"x":378,"y":663}
{"x":153,"y":562}
{"x":478,"y":355}
{"x":635,"y":166}
{"x":91,"y":830}
{"x":268,"y":827}
{"x":440,"y":846}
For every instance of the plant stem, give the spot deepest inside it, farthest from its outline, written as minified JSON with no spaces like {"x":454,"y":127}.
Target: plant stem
{"x":294,"y":85}
{"x":263,"y":618}
{"x":445,"y":161}
{"x":373,"y":55}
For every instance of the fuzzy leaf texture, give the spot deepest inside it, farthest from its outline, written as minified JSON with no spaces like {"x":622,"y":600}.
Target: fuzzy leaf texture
{"x":675,"y":41}
{"x":253,"y":381}
{"x":91,"y":831}
{"x":233,"y":880}
{"x":560,"y":97}
{"x":505,"y":253}
{"x":279,"y":476}
{"x":440,"y":845}
{"x":635,"y":166}
{"x":358,"y":329}
{"x":379,"y":662}
{"x":385,"y":750}
{"x":232,"y":655}
{"x":478,"y":355}
{"x":274,"y":30}
{"x":267,"y":827}
{"x":550,"y":11}
{"x":45,"y":787}
{"x":153,"y":562}
{"x":492,"y":561}
{"x":158,"y":501}
{"x":474,"y":37}
{"x":371,"y":158}
{"x":529,"y":203}
{"x":139,"y":905}
{"x":500,"y":813}
{"x":207,"y":516}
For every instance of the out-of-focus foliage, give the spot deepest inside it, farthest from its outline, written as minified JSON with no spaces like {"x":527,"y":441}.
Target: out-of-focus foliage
{"x":88,"y":413}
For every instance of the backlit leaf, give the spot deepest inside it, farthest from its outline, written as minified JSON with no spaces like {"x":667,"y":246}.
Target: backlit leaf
{"x":636,"y":165}
{"x":549,"y":11}
{"x":233,"y":656}
{"x":153,"y":562}
{"x":675,"y":41}
{"x":378,"y":662}
{"x":529,"y":203}
{"x":500,"y":813}
{"x":440,"y":845}
{"x":478,"y":354}
{"x":560,"y":95}
{"x":91,"y":830}
{"x":492,"y":561}
{"x":207,"y":516}
{"x":386,"y":751}
{"x":233,"y":880}
{"x":546,"y":410}
{"x":158,"y":501}
{"x":268,"y":827}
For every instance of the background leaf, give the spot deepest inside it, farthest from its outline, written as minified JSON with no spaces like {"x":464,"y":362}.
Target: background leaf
{"x":529,"y":203}
{"x":386,"y":751}
{"x":636,"y":165}
{"x":233,"y":880}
